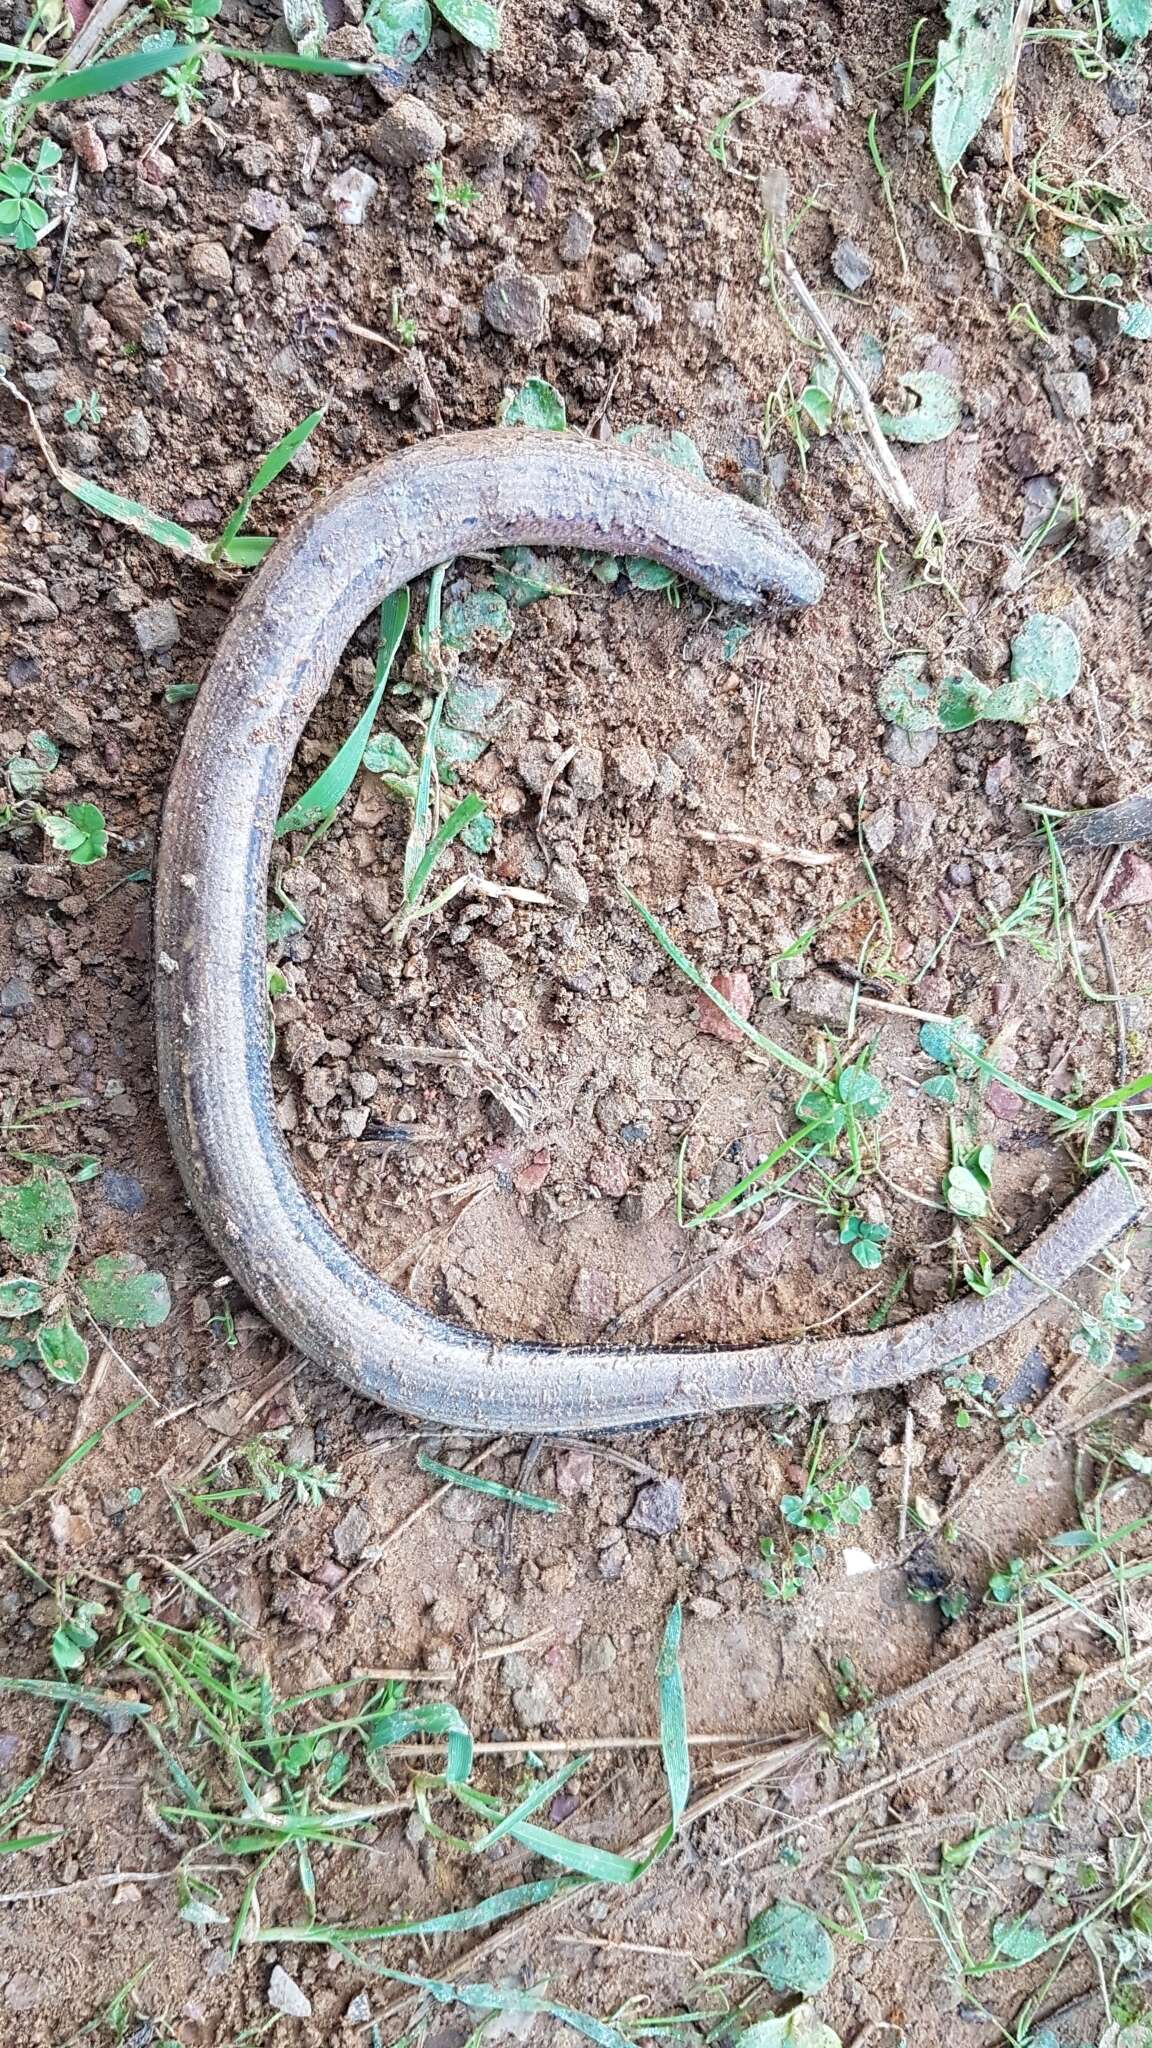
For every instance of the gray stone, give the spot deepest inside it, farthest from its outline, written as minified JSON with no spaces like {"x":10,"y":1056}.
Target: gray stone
{"x":70,"y":723}
{"x":632,"y":769}
{"x":409,"y":133}
{"x":209,"y":266}
{"x":263,"y":211}
{"x":879,"y":829}
{"x":283,"y":244}
{"x":578,"y":236}
{"x":134,"y":437}
{"x":639,"y":83}
{"x":908,"y":749}
{"x":597,"y":1656}
{"x":601,"y":114}
{"x":352,"y":1534}
{"x":568,"y":886}
{"x":39,"y":347}
{"x":701,"y":909}
{"x":15,"y":997}
{"x":586,"y":774}
{"x":123,"y":1191}
{"x":109,"y":261}
{"x":820,"y":998}
{"x":851,"y":264}
{"x":155,"y":335}
{"x":285,"y":1995}
{"x":516,"y":305}
{"x":1070,"y":394}
{"x":656,"y":1508}
{"x":157,"y":628}
{"x":359,"y":2010}
{"x":1110,"y":531}
{"x":82,"y":449}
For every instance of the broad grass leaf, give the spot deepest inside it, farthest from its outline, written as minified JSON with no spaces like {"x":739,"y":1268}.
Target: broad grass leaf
{"x":476,"y":20}
{"x":791,"y":1949}
{"x":122,"y":1294}
{"x":936,"y":416}
{"x":39,"y":1220}
{"x":972,"y":69}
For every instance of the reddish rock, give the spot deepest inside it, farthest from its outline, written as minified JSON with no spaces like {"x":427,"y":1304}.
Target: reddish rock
{"x":1131,"y":885}
{"x":532,"y":1172}
{"x":711,"y":1022}
{"x":90,"y":149}
{"x":574,"y":1473}
{"x":1001,"y":1101}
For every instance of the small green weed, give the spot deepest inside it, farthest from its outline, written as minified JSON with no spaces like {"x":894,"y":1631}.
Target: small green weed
{"x":444,"y":198}
{"x":89,"y":409}
{"x":254,"y":1471}
{"x":39,"y":1222}
{"x":23,"y":190}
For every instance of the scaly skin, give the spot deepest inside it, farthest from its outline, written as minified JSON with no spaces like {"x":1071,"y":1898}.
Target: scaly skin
{"x":454,"y":496}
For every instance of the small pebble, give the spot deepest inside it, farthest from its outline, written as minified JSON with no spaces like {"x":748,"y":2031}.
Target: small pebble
{"x":851,"y":264}
{"x":656,"y":1508}
{"x":284,"y":1995}
{"x":209,"y":266}
{"x":157,"y":628}
{"x":408,"y":134}
{"x":516,"y":305}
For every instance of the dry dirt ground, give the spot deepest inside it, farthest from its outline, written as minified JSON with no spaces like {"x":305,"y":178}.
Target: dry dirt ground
{"x":548,"y":1063}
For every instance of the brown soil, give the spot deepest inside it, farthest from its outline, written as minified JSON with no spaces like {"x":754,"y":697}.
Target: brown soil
{"x":547,"y":1061}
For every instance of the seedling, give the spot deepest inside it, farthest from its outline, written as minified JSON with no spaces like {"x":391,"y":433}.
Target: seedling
{"x":826,"y":1502}
{"x":865,"y":1240}
{"x":89,"y":409}
{"x":402,"y":324}
{"x":241,"y":550}
{"x":23,"y":190}
{"x":444,"y":198}
{"x":254,"y":1471}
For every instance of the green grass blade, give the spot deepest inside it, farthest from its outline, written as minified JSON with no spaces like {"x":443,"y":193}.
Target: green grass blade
{"x":330,"y":788}
{"x":276,"y":459}
{"x":673,"y":1716}
{"x":582,"y":1859}
{"x":11,"y":53}
{"x":438,"y":1717}
{"x":486,"y":1998}
{"x":247,"y":549}
{"x":110,"y":75}
{"x":468,"y":808}
{"x":293,"y":60}
{"x":530,"y":1804}
{"x":452,"y":1476}
{"x":15,"y":1843}
{"x":466,"y":1920}
{"x":89,"y":1443}
{"x":698,"y":980}
{"x":419,"y":835}
{"x":80,"y":1696}
{"x":129,"y":512}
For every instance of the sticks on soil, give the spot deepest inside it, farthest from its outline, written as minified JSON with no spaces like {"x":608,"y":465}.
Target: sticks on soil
{"x":883,"y":463}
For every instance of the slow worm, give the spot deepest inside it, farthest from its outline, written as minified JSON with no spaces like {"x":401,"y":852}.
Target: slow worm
{"x":458,"y":495}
